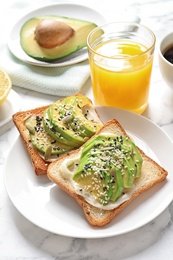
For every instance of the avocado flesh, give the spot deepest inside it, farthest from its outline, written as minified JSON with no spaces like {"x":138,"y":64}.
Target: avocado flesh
{"x":75,"y":43}
{"x":67,"y":118}
{"x":50,"y":129}
{"x":103,"y":165}
{"x":119,"y":185}
{"x":133,"y":162}
{"x":98,"y":140}
{"x":67,"y":132}
{"x":87,"y":127}
{"x":41,"y":140}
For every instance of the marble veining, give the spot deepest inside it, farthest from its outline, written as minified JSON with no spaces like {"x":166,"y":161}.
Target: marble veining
{"x":19,"y":238}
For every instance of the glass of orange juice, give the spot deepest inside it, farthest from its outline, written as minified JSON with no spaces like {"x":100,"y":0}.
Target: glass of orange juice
{"x":121,"y":57}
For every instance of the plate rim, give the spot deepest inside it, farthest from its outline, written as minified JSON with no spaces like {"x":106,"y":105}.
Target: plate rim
{"x":17,"y":107}
{"x":29,"y":60}
{"x":100,"y":234}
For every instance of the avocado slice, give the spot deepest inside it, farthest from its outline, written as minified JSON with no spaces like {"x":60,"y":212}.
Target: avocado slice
{"x":41,"y":140}
{"x":99,"y":140}
{"x":80,"y":107}
{"x":51,"y":130}
{"x":132,"y":162}
{"x":118,"y":187}
{"x":78,"y":100}
{"x":108,"y":164}
{"x":67,"y":118}
{"x":76,"y":42}
{"x":58,"y":115}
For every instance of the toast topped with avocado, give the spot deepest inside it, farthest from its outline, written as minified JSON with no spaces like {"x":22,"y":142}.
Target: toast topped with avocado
{"x":106,"y":173}
{"x":50,"y":131}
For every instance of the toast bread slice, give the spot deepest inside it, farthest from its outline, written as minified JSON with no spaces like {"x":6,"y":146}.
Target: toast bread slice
{"x":38,"y":162}
{"x":152,"y":174}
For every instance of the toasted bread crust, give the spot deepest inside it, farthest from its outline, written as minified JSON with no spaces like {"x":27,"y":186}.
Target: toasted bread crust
{"x":152,"y":174}
{"x":39,"y":164}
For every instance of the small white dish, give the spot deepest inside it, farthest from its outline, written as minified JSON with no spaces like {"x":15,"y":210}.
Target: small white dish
{"x":10,"y":106}
{"x":61,"y":9}
{"x":47,"y":206}
{"x":166,"y":67}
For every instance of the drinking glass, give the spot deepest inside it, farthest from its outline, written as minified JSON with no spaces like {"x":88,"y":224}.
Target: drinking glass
{"x":121,"y":58}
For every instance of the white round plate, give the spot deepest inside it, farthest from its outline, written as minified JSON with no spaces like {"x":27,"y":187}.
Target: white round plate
{"x":60,"y":9}
{"x":10,"y":106}
{"x":47,"y":206}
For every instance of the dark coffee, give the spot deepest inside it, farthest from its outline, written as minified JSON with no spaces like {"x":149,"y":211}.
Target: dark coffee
{"x":168,"y":54}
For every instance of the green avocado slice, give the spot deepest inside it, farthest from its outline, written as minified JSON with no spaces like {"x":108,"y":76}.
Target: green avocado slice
{"x":132,"y":162}
{"x":67,"y":118}
{"x":69,"y":108}
{"x":107,"y":166}
{"x":58,"y":116}
{"x":80,"y":107}
{"x":41,"y":140}
{"x":100,"y":141}
{"x":78,"y":100}
{"x":51,"y":130}
{"x":76,"y":42}
{"x":119,"y":184}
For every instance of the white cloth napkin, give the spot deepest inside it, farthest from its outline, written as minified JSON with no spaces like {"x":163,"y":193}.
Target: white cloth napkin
{"x":59,"y":81}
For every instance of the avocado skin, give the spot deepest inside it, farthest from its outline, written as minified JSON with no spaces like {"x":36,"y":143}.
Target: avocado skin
{"x":115,"y":171}
{"x":76,"y":42}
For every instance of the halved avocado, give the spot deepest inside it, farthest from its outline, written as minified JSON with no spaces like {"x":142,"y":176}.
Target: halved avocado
{"x":74,"y":43}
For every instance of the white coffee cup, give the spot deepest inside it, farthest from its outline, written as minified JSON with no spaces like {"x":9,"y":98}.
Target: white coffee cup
{"x":166,"y":67}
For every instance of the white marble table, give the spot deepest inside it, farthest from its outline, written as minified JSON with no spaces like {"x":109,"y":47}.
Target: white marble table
{"x":19,"y":238}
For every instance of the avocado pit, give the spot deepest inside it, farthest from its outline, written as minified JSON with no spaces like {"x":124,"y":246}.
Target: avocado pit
{"x":51,"y":33}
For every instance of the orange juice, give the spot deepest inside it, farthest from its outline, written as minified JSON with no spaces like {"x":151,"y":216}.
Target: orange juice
{"x":120,"y":74}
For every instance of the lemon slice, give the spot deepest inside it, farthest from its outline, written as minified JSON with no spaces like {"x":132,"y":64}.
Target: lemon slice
{"x":5,"y":85}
